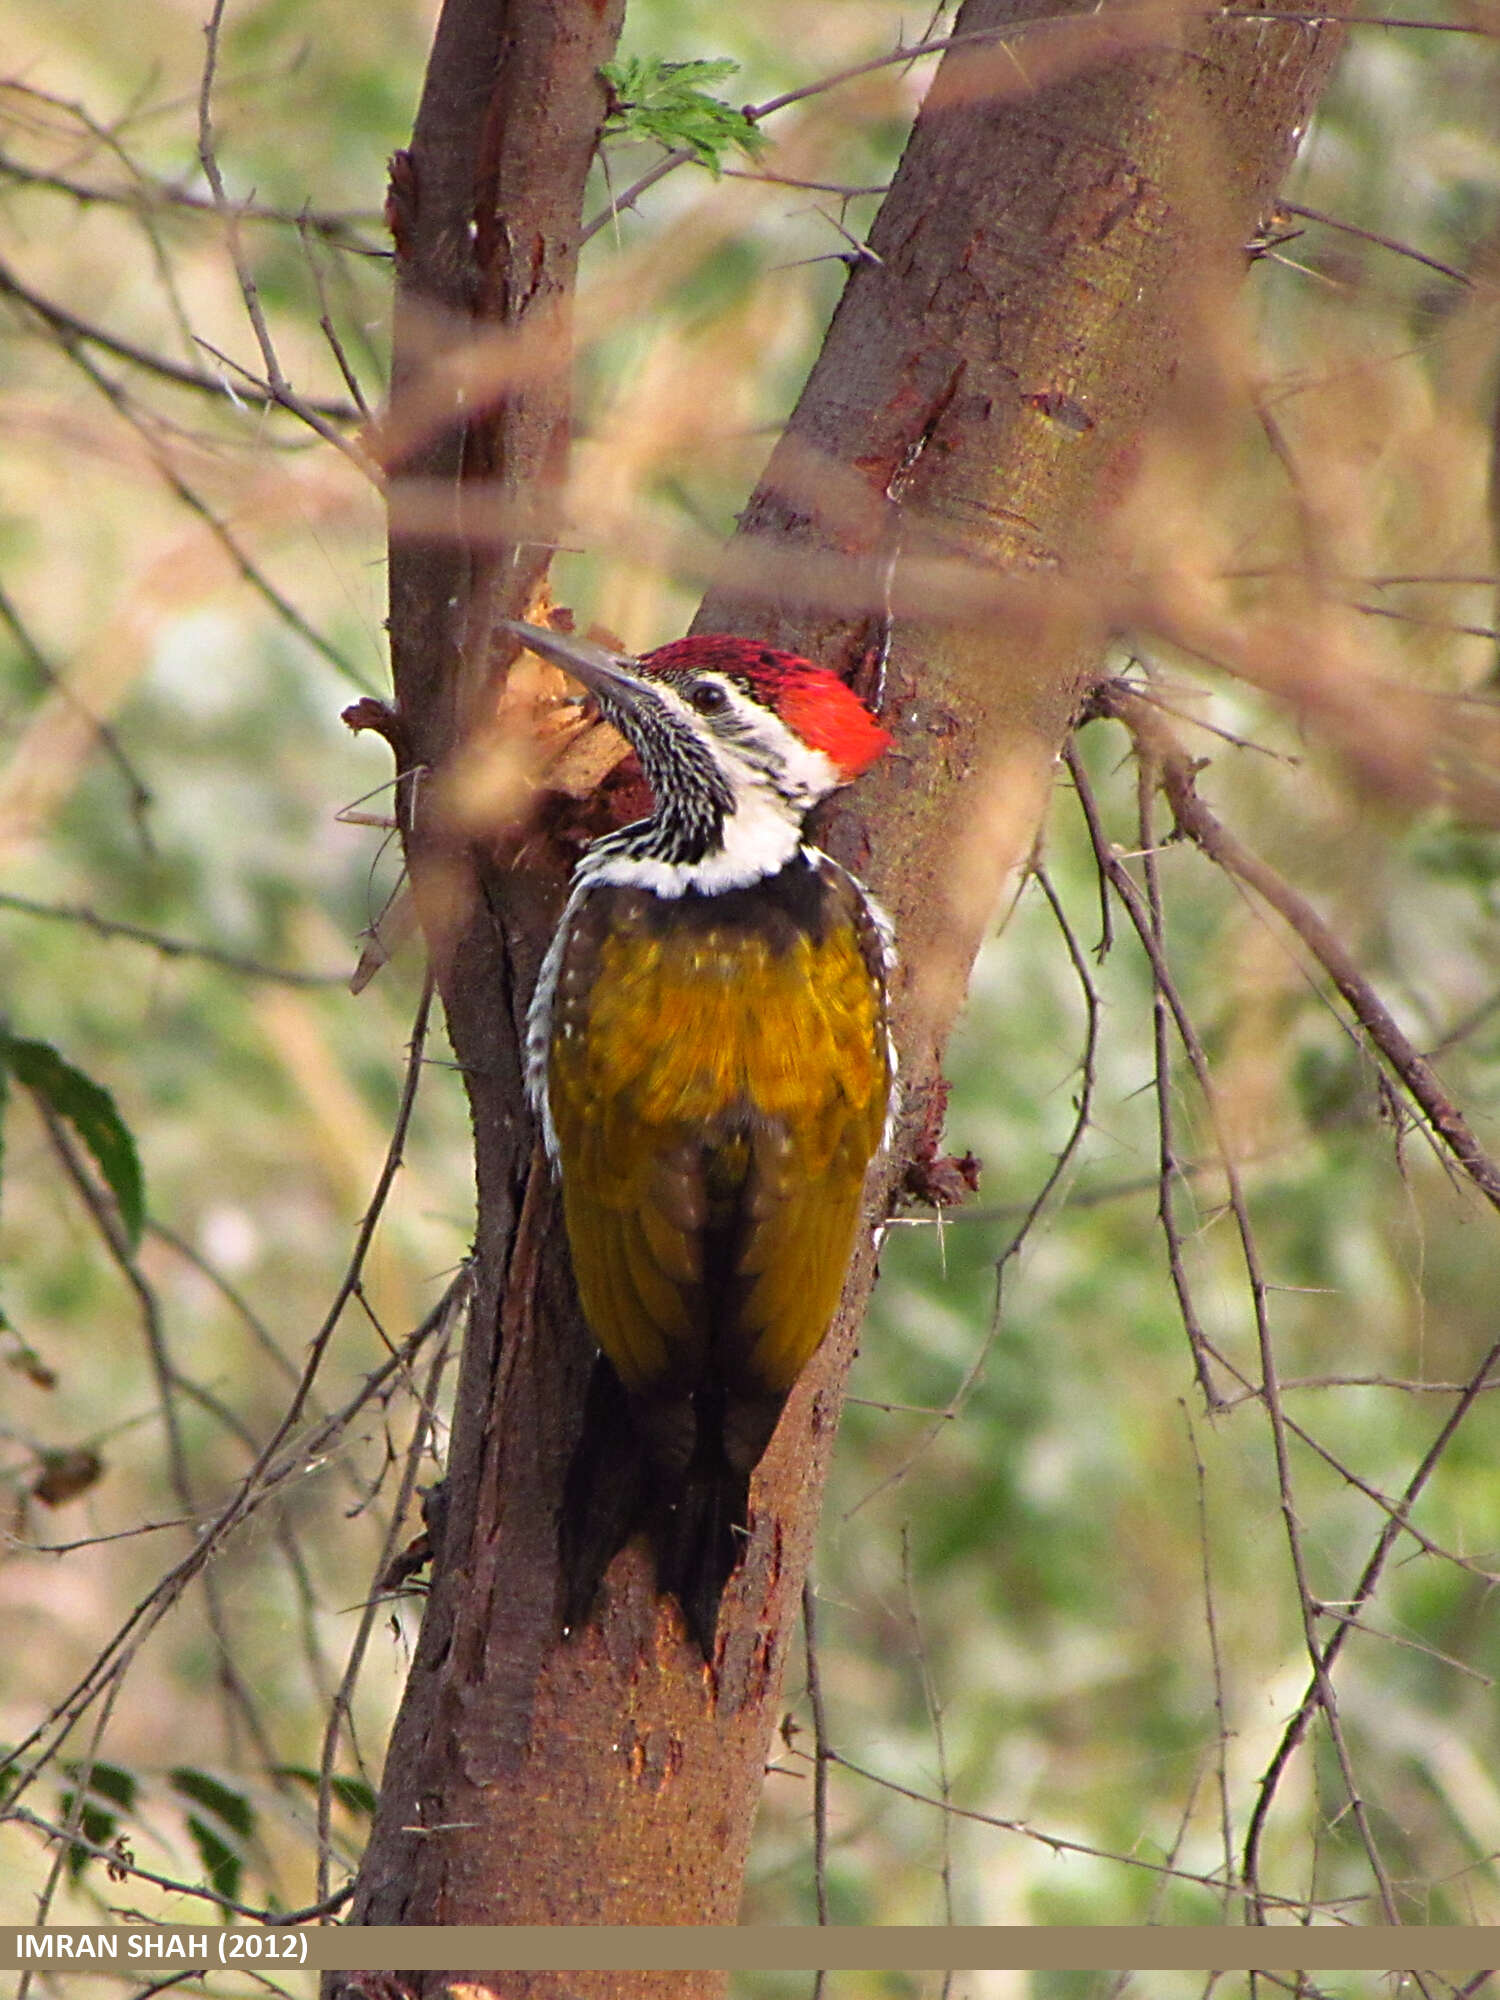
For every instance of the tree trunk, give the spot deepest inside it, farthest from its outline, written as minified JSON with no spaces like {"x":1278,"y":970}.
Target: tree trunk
{"x":1066,"y":212}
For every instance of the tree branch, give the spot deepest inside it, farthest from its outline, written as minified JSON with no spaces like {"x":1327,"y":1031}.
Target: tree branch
{"x":986,"y":380}
{"x":1196,"y":822}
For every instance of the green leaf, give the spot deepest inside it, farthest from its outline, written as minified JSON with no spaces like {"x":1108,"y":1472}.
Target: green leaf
{"x":97,"y":1826}
{"x":667,"y":102}
{"x":221,"y":1864}
{"x":97,"y":1823}
{"x":90,"y":1110}
{"x":108,"y":1781}
{"x":356,"y":1795}
{"x":232,"y":1807}
{"x":352,"y":1793}
{"x":1466,"y":854}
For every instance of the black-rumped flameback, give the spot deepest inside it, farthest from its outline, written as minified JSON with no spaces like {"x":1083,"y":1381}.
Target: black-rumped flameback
{"x":711,"y":1066}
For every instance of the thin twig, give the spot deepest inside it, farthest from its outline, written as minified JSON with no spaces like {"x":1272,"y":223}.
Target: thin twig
{"x":822,"y":1754}
{"x":276,"y":383}
{"x":336,"y":225}
{"x":67,"y":325}
{"x":1381,"y":242}
{"x":1168,"y":1169}
{"x":458,"y":1301}
{"x":1197,"y":823}
{"x":82,"y":1776}
{"x":1370,"y":1576}
{"x":133,"y":1869}
{"x":1137,"y":908}
{"x":1059,"y":1843}
{"x":170,"y":1384}
{"x":169,"y":947}
{"x":209,"y":160}
{"x":1082,"y":1113}
{"x":285,"y":610}
{"x":270,"y":1471}
{"x":330,"y":334}
{"x":1216,"y":1661}
{"x":934,"y":1709}
{"x":111,"y":1661}
{"x":140,"y":796}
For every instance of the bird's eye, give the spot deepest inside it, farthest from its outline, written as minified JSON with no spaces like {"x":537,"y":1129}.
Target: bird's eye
{"x":707,"y":697}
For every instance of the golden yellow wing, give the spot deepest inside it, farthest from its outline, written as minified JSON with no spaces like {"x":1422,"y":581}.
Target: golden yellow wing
{"x":718,"y":1088}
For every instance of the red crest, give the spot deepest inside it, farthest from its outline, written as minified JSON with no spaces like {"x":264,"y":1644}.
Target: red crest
{"x":814,"y":703}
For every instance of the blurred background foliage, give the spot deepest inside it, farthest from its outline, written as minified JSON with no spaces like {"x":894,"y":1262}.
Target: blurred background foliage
{"x":1052,"y":1588}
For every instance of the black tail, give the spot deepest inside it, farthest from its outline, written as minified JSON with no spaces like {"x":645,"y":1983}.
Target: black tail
{"x":700,"y":1536}
{"x":604,"y":1496}
{"x":661,"y":1468}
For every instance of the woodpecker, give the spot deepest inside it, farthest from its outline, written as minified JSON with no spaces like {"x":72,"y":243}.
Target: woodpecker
{"x":709,"y":1059}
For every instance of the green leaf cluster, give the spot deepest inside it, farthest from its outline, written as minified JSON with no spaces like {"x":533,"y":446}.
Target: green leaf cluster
{"x":223,"y":1823}
{"x":670,"y":103}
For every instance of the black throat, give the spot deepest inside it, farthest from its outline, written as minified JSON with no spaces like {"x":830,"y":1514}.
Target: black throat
{"x":693,"y":798}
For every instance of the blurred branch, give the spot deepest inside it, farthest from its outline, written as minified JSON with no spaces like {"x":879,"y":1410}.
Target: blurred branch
{"x":1060,"y":1844}
{"x":1466,"y":1025}
{"x":1321,"y":1694}
{"x":259,"y":1331}
{"x":140,"y":796}
{"x":169,"y":947}
{"x":273,"y":1466}
{"x":337,"y":226}
{"x":1215,"y":1656}
{"x":171,"y":1384}
{"x":1197,"y":823}
{"x":70,"y":329}
{"x":146,"y":426}
{"x":123,"y":1868}
{"x":1315,"y":18}
{"x":1381,"y":242}
{"x":1347,"y":1610}
{"x":340,"y":1709}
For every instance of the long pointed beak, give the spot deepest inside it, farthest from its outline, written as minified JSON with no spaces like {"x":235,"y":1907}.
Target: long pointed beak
{"x":601,"y":672}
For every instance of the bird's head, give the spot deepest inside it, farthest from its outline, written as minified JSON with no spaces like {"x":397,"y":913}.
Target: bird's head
{"x":738,"y":740}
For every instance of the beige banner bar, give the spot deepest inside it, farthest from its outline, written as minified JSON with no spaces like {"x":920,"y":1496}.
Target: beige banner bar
{"x":153,"y":1949}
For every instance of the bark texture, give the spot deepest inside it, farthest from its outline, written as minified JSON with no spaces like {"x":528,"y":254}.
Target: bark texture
{"x":1063,"y":217}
